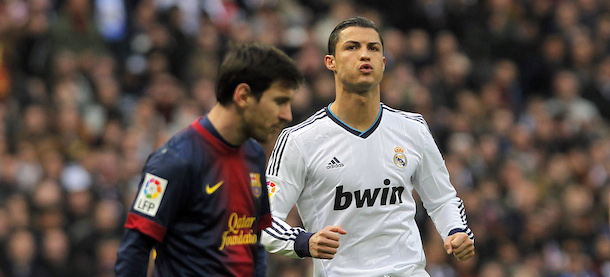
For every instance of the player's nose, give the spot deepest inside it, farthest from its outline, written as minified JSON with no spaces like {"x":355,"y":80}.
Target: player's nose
{"x":286,"y":113}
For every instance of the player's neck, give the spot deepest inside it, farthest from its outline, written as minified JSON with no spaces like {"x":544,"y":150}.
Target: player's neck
{"x":359,"y":111}
{"x":228,"y":124}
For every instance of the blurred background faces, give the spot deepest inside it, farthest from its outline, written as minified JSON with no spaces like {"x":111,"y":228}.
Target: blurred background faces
{"x":516,"y":93}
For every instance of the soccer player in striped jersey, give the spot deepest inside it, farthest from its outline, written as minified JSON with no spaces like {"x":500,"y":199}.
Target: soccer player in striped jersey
{"x":351,"y":169}
{"x":202,"y":201}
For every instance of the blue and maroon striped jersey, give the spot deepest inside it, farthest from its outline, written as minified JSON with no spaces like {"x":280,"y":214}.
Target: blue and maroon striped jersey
{"x":203,"y":203}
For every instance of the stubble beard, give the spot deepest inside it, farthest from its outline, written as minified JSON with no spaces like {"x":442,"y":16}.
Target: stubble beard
{"x":259,"y":135}
{"x":360,"y":88}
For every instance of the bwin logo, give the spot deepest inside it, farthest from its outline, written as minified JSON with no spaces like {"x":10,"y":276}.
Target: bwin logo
{"x":343,"y":199}
{"x":334,"y":163}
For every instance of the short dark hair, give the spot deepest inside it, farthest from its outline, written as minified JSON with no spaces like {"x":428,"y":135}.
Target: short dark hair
{"x":259,"y":65}
{"x":351,"y":22}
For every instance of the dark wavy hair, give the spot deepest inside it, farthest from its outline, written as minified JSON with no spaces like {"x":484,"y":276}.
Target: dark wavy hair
{"x":351,"y":22}
{"x":259,"y":65}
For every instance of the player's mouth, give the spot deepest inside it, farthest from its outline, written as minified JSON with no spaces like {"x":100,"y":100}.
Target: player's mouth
{"x":366,"y":68}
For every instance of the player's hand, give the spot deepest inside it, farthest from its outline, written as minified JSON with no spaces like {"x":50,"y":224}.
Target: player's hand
{"x":460,"y":245}
{"x":324,"y":243}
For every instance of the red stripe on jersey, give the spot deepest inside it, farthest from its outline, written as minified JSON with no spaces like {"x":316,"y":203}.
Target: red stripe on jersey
{"x":264,"y":222}
{"x":240,"y":258}
{"x":212,"y":139}
{"x":145,"y":226}
{"x":238,"y":202}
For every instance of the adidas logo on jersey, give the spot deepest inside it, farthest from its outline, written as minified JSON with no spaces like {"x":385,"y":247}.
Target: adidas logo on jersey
{"x":334,"y":163}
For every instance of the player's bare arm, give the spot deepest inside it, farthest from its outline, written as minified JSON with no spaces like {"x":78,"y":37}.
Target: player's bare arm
{"x":324,"y":243}
{"x":460,"y":245}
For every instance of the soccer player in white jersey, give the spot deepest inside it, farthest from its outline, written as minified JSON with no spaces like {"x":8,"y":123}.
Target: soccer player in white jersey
{"x":351,"y":169}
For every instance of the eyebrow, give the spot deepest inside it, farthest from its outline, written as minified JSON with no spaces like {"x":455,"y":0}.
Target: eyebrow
{"x":369,"y":44}
{"x":282,"y":99}
{"x":357,"y":42}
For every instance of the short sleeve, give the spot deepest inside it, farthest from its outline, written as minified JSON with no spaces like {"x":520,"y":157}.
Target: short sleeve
{"x":162,"y":193}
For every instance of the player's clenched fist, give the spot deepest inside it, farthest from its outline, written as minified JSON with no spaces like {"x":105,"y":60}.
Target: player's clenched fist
{"x":324,"y":243}
{"x":460,"y":245}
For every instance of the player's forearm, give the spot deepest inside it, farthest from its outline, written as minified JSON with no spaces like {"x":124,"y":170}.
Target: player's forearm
{"x":285,"y":240}
{"x":133,"y":255}
{"x":450,"y":218}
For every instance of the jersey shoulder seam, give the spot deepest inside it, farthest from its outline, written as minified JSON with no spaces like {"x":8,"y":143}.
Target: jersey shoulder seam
{"x":408,"y":115}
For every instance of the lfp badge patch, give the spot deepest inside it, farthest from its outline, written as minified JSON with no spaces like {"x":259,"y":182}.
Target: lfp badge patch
{"x":272,"y":188}
{"x":150,"y":195}
{"x":255,"y":181}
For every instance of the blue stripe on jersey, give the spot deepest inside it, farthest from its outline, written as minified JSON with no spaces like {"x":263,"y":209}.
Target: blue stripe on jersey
{"x":286,"y":233}
{"x":205,"y":122}
{"x":279,"y":234}
{"x":374,"y":127}
{"x":463,"y":216}
{"x":275,"y":159}
{"x":278,"y":150}
{"x":413,"y":116}
{"x":345,"y":126}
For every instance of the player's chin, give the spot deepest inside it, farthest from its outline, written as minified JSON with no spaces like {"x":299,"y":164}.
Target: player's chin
{"x":262,"y":139}
{"x":264,"y":136}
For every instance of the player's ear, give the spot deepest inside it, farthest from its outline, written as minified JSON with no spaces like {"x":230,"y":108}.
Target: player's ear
{"x":242,"y":95}
{"x":329,"y":61}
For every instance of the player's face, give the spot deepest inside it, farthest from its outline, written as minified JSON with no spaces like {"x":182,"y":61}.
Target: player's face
{"x":269,"y":115}
{"x":358,"y":61}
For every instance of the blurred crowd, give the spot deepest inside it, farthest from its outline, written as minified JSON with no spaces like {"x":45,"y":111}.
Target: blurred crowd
{"x":515,"y":92}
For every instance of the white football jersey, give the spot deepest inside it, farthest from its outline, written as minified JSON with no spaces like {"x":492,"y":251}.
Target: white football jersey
{"x":362,"y":181}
